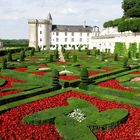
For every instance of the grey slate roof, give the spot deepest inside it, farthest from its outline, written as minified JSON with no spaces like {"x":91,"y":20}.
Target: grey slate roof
{"x":71,"y":28}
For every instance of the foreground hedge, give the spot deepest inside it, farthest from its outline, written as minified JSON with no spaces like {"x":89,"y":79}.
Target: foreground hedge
{"x":67,"y":123}
{"x":2,"y":81}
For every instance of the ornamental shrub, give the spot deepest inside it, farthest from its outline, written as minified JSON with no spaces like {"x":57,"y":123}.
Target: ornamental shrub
{"x":129,"y":55}
{"x":22,"y":55}
{"x":32,"y":52}
{"x":50,"y":58}
{"x":4,"y":63}
{"x":9,"y":56}
{"x":120,"y":48}
{"x":84,"y":79}
{"x":67,"y":55}
{"x":102,"y":56}
{"x":116,"y":57}
{"x":133,"y":49}
{"x":74,"y":58}
{"x":125,"y":62}
{"x":137,"y":55}
{"x":56,"y":55}
{"x":55,"y":78}
{"x":88,"y":52}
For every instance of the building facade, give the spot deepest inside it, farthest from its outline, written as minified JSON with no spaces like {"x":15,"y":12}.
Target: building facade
{"x":44,"y":34}
{"x":108,"y":37}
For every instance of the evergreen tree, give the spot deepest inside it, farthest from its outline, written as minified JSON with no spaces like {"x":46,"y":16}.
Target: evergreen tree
{"x":55,"y":79}
{"x":84,"y":79}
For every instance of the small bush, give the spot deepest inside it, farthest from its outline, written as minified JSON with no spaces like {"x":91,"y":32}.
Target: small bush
{"x":4,"y":63}
{"x":9,"y":56}
{"x":74,"y":58}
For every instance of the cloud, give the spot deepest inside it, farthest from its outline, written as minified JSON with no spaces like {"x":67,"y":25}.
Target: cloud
{"x":68,"y":11}
{"x":14,"y":13}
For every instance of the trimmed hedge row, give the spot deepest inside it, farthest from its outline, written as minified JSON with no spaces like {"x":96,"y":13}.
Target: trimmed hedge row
{"x":14,"y":102}
{"x":101,"y":77}
{"x":24,"y":95}
{"x":12,"y":50}
{"x":94,"y":120}
{"x":114,"y":92}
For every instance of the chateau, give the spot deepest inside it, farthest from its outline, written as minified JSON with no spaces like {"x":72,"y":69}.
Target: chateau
{"x":44,"y":34}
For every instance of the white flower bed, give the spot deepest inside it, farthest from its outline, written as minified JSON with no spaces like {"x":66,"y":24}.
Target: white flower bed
{"x":78,"y":115}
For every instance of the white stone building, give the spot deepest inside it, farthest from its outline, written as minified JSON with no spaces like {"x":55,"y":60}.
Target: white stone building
{"x":108,"y":37}
{"x":46,"y":35}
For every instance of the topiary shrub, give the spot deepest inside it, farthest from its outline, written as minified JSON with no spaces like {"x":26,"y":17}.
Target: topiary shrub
{"x":125,"y":62}
{"x":84,"y":79}
{"x":74,"y":58}
{"x":50,"y":58}
{"x":4,"y":63}
{"x":129,"y":55}
{"x":32,"y":52}
{"x":88,"y":52}
{"x":9,"y":56}
{"x":22,"y":55}
{"x":55,"y":79}
{"x":115,"y":57}
{"x":56,"y":55}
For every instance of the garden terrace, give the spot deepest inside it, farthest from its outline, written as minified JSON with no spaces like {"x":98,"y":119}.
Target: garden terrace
{"x":28,"y":95}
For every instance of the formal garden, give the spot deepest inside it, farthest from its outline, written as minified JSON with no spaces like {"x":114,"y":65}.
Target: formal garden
{"x":91,"y":95}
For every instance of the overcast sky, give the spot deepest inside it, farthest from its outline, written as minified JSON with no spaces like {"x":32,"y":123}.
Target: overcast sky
{"x":14,"y":14}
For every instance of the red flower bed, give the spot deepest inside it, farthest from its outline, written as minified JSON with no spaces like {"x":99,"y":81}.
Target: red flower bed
{"x":43,"y":65}
{"x":13,"y":128}
{"x":136,"y":72}
{"x":69,"y":78}
{"x":41,"y":73}
{"x":9,"y":85}
{"x":93,"y":73}
{"x":114,"y":84}
{"x":106,"y":69}
{"x":61,"y":63}
{"x":21,"y":69}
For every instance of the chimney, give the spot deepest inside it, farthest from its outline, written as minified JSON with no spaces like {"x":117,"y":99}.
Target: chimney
{"x":84,"y":25}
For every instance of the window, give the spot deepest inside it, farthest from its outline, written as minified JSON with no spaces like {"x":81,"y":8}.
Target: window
{"x":40,"y":25}
{"x":40,"y":32}
{"x":57,"y":39}
{"x":40,"y":39}
{"x":88,"y":40}
{"x":87,"y":34}
{"x":65,"y":33}
{"x":81,"y":34}
{"x":72,"y":39}
{"x":72,"y":33}
{"x":80,"y":39}
{"x":57,"y":33}
{"x":65,"y":39}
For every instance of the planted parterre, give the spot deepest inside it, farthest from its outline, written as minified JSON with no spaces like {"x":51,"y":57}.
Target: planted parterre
{"x":92,"y":95}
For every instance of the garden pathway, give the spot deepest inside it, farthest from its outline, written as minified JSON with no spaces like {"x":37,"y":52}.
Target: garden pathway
{"x":61,"y":56}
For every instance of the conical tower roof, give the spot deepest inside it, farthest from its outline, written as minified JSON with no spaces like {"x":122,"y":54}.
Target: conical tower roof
{"x":49,"y":16}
